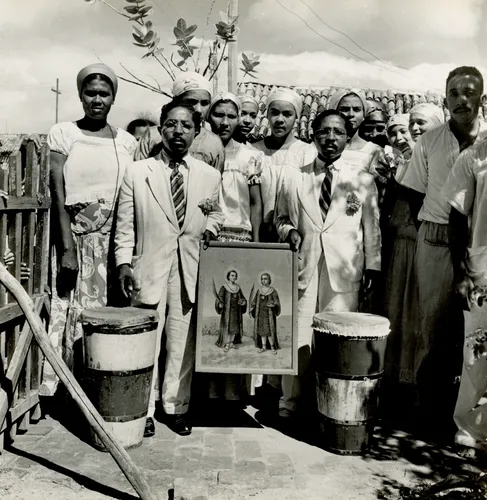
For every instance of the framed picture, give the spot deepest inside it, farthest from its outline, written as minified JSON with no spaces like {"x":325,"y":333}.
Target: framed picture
{"x":247,"y":309}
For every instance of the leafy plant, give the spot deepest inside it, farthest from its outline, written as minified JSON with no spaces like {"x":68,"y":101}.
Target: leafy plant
{"x":186,"y":56}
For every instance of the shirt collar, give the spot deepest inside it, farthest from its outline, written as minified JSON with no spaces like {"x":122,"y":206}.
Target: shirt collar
{"x":322,"y":167}
{"x":167,"y":159}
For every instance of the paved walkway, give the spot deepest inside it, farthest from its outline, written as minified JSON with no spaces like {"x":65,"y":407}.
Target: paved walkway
{"x":246,"y":460}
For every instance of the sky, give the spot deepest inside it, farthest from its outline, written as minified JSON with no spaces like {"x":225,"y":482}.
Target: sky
{"x":380,"y":44}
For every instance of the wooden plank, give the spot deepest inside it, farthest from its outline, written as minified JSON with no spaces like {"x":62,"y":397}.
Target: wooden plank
{"x":22,"y":408}
{"x":15,"y":366}
{"x":3,"y":227}
{"x":15,"y":204}
{"x":11,"y":312}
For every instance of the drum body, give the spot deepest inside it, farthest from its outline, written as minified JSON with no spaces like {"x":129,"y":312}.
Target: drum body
{"x":348,"y":360}
{"x":119,"y":347}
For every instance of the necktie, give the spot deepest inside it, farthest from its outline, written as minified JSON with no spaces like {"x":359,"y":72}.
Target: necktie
{"x":325,"y":194}
{"x":177,"y":191}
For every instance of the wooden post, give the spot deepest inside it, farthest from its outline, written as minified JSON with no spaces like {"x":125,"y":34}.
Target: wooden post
{"x":233,"y":51}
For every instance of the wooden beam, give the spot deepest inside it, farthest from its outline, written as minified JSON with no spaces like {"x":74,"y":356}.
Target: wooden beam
{"x":11,"y":312}
{"x":91,"y":414}
{"x":14,"y":204}
{"x":233,"y":51}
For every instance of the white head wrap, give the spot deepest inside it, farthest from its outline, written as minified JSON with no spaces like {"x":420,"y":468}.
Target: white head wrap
{"x":431,"y":112}
{"x":286,"y":95}
{"x":225,"y":96}
{"x":190,"y":80}
{"x":248,"y":98}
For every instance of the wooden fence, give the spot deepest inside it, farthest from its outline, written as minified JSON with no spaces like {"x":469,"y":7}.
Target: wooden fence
{"x":24,"y":231}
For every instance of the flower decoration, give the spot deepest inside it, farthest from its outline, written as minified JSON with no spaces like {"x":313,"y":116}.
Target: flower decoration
{"x":206,"y":206}
{"x":353,"y":204}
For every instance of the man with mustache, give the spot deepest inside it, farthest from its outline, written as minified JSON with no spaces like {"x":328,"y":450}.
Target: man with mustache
{"x":328,"y":212}
{"x":166,"y":206}
{"x":193,"y":89}
{"x":439,"y":353}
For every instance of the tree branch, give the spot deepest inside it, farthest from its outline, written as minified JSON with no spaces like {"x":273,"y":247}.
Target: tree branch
{"x":220,"y":61}
{"x":145,"y":86}
{"x":204,"y":34}
{"x":115,"y":9}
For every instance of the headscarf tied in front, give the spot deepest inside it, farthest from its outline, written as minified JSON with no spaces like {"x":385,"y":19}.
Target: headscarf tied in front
{"x":190,"y":80}
{"x":334,"y":100}
{"x":225,"y":96}
{"x":97,"y":69}
{"x":433,"y":113}
{"x":400,"y":119}
{"x":286,"y":95}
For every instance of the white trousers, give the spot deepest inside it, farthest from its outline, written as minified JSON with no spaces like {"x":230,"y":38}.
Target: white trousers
{"x":175,"y":337}
{"x":317,"y":297}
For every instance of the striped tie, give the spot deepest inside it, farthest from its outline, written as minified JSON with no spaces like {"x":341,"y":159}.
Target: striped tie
{"x":325,"y":194}
{"x":177,"y":191}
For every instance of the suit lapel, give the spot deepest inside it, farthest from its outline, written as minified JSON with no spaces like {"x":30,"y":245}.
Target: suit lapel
{"x":193,"y":197}
{"x":307,"y":196}
{"x":161,"y":190}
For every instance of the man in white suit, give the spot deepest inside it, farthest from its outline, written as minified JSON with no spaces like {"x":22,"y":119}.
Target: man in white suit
{"x":166,"y":207}
{"x":328,"y":213}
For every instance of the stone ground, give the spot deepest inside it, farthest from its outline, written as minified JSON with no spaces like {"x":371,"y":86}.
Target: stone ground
{"x":227,"y":457}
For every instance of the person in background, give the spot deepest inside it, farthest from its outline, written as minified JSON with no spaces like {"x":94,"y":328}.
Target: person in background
{"x":249,"y":108}
{"x":88,"y":159}
{"x":195,"y":90}
{"x":360,"y":153}
{"x":139,"y":126}
{"x":466,"y":192}
{"x":439,"y":349}
{"x":374,"y":127}
{"x":166,"y":207}
{"x":240,"y":195}
{"x":328,"y":212}
{"x":241,"y":204}
{"x":283,"y":109}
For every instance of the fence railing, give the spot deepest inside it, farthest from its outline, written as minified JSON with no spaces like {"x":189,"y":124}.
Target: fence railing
{"x":24,"y":232}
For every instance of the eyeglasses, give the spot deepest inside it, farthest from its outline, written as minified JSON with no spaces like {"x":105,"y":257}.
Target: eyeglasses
{"x":327,"y":131}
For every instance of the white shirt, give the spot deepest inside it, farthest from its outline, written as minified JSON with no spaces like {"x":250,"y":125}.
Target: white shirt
{"x":433,"y":157}
{"x":320,"y":170}
{"x":183,"y":169}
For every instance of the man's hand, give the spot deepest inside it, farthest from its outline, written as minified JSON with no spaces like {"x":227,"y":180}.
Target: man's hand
{"x":294,"y":239}
{"x":207,"y":237}
{"x":68,"y":269}
{"x":125,"y":279}
{"x":371,"y":280}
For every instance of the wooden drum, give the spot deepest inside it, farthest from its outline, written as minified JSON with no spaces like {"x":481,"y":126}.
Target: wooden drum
{"x":119,"y":346}
{"x":348,"y":360}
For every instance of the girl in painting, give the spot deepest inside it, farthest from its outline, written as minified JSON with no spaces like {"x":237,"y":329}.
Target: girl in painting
{"x":231,"y":305}
{"x":265,"y":306}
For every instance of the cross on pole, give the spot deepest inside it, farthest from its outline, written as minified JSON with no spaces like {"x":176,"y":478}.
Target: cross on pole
{"x":58,"y":93}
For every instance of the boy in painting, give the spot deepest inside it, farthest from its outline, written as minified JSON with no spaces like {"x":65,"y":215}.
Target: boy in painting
{"x":264,"y":308}
{"x":231,"y":305}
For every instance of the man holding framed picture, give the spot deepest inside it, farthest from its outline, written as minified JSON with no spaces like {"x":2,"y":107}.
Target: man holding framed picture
{"x":328,"y":212}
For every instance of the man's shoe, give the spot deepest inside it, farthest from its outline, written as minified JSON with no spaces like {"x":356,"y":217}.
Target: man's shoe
{"x":150,"y":428}
{"x":179,"y":424}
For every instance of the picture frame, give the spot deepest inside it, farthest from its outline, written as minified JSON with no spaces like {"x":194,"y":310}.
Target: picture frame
{"x":247,"y":299}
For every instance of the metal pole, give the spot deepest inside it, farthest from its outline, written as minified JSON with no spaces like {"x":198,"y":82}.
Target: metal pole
{"x":233,"y":51}
{"x":57,"y":92}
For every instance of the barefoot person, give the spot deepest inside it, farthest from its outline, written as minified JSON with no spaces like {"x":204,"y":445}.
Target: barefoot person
{"x":265,"y":307}
{"x":231,"y":305}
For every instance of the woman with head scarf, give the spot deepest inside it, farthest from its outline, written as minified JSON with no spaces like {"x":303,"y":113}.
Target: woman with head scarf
{"x":364,"y":155}
{"x":399,"y":242}
{"x":88,"y":159}
{"x":240,"y":197}
{"x":241,"y":203}
{"x":194,"y":89}
{"x":282,"y":148}
{"x":373,"y":128}
{"x":248,"y":116}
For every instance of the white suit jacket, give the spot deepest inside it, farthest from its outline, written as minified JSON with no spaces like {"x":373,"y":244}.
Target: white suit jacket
{"x":350,"y":235}
{"x":147,"y":234}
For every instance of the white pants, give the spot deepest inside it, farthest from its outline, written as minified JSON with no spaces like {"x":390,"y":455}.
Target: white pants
{"x":176,"y":331}
{"x":317,"y":297}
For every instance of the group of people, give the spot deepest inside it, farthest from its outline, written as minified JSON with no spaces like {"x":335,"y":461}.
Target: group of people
{"x":371,"y":206}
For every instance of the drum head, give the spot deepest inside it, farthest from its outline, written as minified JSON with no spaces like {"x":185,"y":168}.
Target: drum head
{"x":351,"y":324}
{"x":119,"y":317}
